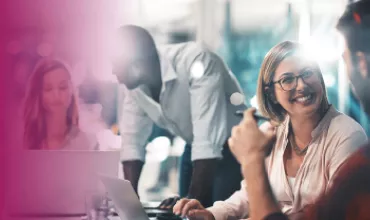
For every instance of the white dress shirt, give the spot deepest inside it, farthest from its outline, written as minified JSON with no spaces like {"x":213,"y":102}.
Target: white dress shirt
{"x":198,"y":109}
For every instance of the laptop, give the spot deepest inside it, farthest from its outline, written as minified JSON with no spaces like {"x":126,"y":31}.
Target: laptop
{"x":56,"y":183}
{"x":126,"y":202}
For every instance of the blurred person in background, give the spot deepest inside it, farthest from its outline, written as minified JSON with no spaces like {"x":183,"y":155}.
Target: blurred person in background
{"x":51,"y":115}
{"x":97,"y":107}
{"x":185,"y":89}
{"x":309,"y":143}
{"x":349,"y":197}
{"x":349,"y":194}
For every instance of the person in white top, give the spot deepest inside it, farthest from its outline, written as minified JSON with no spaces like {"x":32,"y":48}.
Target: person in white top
{"x":185,"y":89}
{"x":306,"y":148}
{"x":50,"y":110}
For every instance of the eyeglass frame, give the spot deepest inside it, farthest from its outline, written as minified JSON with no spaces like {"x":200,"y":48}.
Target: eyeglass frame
{"x":295,"y":78}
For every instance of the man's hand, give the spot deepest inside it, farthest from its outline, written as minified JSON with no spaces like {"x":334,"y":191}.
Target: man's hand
{"x":250,"y":145}
{"x":192,"y":209}
{"x":169,"y":202}
{"x":131,"y":172}
{"x":248,"y":142}
{"x":200,"y":186}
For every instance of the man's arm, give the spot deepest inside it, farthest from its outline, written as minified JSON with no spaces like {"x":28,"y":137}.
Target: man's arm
{"x":202,"y":181}
{"x":135,"y":127}
{"x":209,"y":120}
{"x":132,"y":171}
{"x":250,"y":145}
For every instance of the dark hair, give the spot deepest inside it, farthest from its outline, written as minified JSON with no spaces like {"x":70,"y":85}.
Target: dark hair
{"x":354,"y":24}
{"x":141,"y":39}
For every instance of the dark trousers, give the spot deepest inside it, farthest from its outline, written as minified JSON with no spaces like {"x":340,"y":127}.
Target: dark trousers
{"x":227,"y":178}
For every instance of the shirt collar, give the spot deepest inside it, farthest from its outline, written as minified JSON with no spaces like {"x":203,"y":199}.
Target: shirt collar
{"x":168,"y":72}
{"x":323,"y":124}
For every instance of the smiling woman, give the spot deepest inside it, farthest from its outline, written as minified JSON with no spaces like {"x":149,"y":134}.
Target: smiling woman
{"x":312,"y":138}
{"x":288,"y":81}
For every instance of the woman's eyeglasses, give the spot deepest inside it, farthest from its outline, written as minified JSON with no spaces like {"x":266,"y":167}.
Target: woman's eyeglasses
{"x":289,"y":83}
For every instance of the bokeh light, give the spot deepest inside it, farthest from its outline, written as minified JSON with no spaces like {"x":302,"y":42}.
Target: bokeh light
{"x":197,"y":70}
{"x":237,"y":98}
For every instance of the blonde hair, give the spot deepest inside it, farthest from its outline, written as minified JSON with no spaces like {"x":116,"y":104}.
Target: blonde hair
{"x":265,"y":91}
{"x":33,"y":111}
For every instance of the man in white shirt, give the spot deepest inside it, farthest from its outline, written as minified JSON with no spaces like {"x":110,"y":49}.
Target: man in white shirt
{"x":185,"y":89}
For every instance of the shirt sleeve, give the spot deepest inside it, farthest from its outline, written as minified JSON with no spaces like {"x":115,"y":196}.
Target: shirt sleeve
{"x":135,"y":127}
{"x":235,"y":207}
{"x":208,"y":106}
{"x":347,"y":145}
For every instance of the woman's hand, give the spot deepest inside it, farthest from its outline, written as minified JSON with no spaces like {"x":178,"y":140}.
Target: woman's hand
{"x":192,"y":209}
{"x":248,"y":142}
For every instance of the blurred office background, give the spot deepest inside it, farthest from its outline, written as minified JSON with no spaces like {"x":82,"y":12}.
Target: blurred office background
{"x":241,"y":31}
